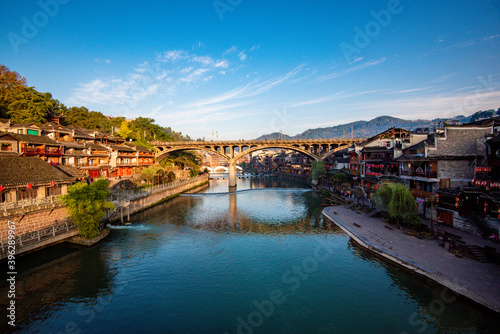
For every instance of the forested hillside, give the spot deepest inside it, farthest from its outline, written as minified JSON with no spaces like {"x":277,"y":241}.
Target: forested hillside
{"x":24,"y":104}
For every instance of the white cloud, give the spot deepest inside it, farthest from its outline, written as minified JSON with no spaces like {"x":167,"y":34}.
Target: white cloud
{"x":233,"y":49}
{"x":171,"y":73}
{"x":242,"y":56}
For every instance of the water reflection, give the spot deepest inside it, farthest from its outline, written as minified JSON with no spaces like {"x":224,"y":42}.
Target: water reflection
{"x":198,"y":262}
{"x":54,"y":277}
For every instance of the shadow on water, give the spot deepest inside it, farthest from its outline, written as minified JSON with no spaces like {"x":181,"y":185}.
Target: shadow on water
{"x":56,"y":276}
{"x":437,"y":305}
{"x":212,"y":254}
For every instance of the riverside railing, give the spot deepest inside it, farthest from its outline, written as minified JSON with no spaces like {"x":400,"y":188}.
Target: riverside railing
{"x":133,"y":194}
{"x":29,"y":202}
{"x":31,"y":238}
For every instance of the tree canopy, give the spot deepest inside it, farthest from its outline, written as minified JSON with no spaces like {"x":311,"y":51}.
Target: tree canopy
{"x":23,"y":104}
{"x":397,"y":199}
{"x":87,"y":206}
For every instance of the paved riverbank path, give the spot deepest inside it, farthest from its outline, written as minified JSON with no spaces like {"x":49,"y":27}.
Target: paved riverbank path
{"x":470,"y":278}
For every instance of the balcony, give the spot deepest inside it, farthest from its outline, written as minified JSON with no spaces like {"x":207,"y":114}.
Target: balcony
{"x":47,"y":151}
{"x":420,"y":174}
{"x":126,"y":154}
{"x":125,"y":164}
{"x":420,"y":193}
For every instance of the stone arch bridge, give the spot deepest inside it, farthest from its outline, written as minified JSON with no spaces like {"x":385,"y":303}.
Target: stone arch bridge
{"x":233,"y":150}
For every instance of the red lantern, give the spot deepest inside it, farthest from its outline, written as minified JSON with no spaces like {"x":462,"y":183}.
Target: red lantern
{"x":437,"y":198}
{"x":52,"y":184}
{"x":472,"y":181}
{"x":29,"y":186}
{"x":1,"y":188}
{"x":457,"y":202}
{"x":485,"y":207}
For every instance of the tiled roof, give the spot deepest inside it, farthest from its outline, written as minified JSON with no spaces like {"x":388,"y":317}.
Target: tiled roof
{"x":20,"y":125}
{"x":79,"y":132}
{"x":55,"y":126}
{"x":31,"y":139}
{"x":96,"y":147}
{"x":140,"y":148}
{"x":71,"y":144}
{"x":8,"y":136}
{"x":71,"y":171}
{"x":24,"y":170}
{"x":122,"y":148}
{"x":374,"y":149}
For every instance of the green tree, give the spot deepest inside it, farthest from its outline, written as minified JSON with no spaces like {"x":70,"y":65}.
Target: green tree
{"x":318,"y":170}
{"x":11,"y":84}
{"x":125,"y":131}
{"x":383,"y":196}
{"x":148,"y":174}
{"x":402,"y":202}
{"x":87,"y":206}
{"x":339,"y":178}
{"x":171,"y":176}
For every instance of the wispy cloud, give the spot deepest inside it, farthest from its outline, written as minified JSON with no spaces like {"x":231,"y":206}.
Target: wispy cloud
{"x":249,"y":90}
{"x":349,"y":70}
{"x":171,"y":71}
{"x":345,"y":94}
{"x":459,"y":45}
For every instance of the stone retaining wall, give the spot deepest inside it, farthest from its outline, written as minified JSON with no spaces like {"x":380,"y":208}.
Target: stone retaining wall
{"x":32,"y":221}
{"x":157,"y":197}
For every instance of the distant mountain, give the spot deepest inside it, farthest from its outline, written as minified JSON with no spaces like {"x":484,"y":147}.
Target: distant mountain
{"x":274,"y":135}
{"x":366,"y":129}
{"x":359,"y":128}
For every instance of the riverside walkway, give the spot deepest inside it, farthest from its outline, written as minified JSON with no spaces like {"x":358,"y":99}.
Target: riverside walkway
{"x":477,"y":281}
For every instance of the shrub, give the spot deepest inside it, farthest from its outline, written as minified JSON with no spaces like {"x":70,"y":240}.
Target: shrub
{"x":87,"y":206}
{"x":412,"y":220}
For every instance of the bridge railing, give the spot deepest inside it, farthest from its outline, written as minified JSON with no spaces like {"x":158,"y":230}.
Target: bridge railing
{"x":262,"y":141}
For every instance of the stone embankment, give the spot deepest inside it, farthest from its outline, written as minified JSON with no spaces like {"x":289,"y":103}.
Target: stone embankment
{"x":127,"y":203}
{"x":474,"y":280}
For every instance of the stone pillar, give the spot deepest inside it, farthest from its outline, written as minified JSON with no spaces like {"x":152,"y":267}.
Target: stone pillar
{"x":232,"y":174}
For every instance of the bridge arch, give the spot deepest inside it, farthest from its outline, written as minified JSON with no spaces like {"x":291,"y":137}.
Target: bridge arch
{"x":286,"y":147}
{"x":165,"y":152}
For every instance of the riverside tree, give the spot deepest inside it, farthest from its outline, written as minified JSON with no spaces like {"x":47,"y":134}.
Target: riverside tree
{"x":396,"y":199}
{"x":318,"y":170}
{"x":87,"y":205}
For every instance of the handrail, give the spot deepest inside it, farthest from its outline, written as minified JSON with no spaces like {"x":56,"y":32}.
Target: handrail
{"x":29,"y":202}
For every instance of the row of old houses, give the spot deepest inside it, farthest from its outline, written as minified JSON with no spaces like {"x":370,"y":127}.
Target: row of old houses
{"x":454,"y":173}
{"x":28,"y":151}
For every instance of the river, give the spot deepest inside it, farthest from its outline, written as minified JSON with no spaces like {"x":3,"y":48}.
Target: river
{"x":260,"y":260}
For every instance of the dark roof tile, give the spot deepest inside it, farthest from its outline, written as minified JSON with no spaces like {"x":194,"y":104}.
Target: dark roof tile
{"x":24,"y":170}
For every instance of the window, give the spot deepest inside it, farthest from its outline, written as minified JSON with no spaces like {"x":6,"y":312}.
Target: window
{"x":53,"y":191}
{"x":5,"y":147}
{"x":20,"y":131}
{"x":24,"y":194}
{"x":33,"y":132}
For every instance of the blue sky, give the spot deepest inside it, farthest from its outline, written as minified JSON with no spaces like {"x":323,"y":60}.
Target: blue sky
{"x":245,"y":68}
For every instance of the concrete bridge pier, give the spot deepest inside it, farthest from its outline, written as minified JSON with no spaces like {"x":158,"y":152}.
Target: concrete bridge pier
{"x":232,"y":175}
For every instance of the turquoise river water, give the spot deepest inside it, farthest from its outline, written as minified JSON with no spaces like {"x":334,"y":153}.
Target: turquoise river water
{"x":260,"y":260}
